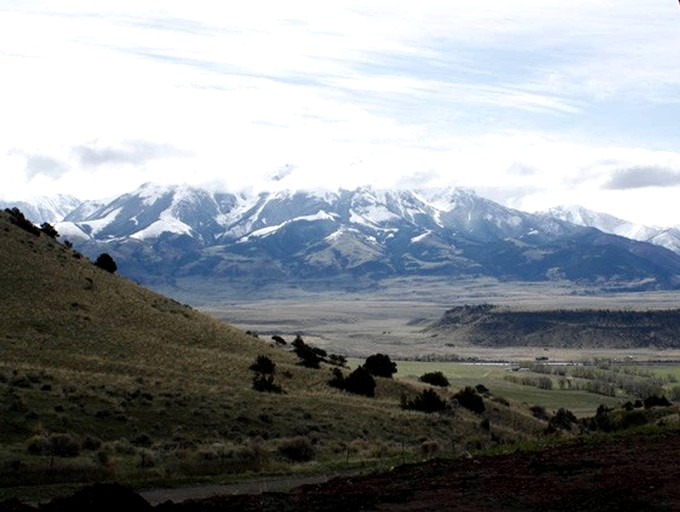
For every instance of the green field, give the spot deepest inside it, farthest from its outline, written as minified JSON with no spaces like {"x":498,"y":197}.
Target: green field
{"x":460,"y":375}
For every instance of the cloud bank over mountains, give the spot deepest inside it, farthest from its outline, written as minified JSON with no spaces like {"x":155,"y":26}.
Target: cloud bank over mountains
{"x":532,"y":104}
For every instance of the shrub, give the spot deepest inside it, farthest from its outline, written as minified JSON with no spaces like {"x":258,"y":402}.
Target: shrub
{"x":426,"y":401}
{"x":338,"y":379}
{"x":359,"y":382}
{"x":380,"y":365}
{"x":538,"y":411}
{"x":49,"y":230}
{"x":262,"y":382}
{"x":311,"y":357}
{"x":105,"y":262}
{"x":279,"y":340}
{"x":142,"y":440}
{"x":482,"y":389}
{"x":337,"y":360}
{"x":656,"y":401}
{"x":263,"y":364}
{"x":435,"y":379}
{"x":58,"y":445}
{"x":18,"y":219}
{"x":298,"y":449}
{"x":633,"y":419}
{"x":469,"y":399}
{"x":562,"y":419}
{"x":602,"y":420}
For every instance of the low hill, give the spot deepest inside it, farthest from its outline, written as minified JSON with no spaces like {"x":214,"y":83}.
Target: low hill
{"x":103,"y":379}
{"x":495,"y":326}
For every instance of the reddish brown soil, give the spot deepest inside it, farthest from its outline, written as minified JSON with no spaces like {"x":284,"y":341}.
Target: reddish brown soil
{"x":632,"y":473}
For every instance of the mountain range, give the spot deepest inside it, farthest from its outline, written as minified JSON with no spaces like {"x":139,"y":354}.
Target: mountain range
{"x":161,"y":233}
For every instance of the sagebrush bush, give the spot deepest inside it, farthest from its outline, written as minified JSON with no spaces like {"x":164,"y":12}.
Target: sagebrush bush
{"x":106,"y":262}
{"x":426,"y":401}
{"x":380,"y":365}
{"x":563,"y":419}
{"x":469,"y":399}
{"x":298,"y":449}
{"x":538,"y":411}
{"x":435,"y":379}
{"x":58,"y":445}
{"x":263,"y":364}
{"x":359,"y":382}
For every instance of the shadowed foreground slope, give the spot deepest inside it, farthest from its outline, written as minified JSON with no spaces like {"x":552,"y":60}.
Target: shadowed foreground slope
{"x":631,"y":473}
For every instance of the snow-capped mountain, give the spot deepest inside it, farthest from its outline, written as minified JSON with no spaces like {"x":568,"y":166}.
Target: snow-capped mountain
{"x":665,"y":237}
{"x":45,"y":209}
{"x":165,"y":232}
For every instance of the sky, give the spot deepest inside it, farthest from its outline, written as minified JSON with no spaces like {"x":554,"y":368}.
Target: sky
{"x":531,"y":103}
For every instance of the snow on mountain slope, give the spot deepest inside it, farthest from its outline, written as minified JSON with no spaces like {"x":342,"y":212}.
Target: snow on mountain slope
{"x":45,"y":209}
{"x":668,"y":238}
{"x":269,"y":230}
{"x":157,"y":232}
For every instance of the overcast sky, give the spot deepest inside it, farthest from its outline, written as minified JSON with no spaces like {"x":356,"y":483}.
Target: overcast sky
{"x":532,"y":103}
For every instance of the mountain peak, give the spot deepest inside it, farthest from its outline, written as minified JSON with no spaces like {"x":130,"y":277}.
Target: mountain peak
{"x":179,"y":230}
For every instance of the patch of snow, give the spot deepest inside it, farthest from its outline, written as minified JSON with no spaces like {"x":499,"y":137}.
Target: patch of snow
{"x":421,"y":237}
{"x":69,"y":230}
{"x":150,"y":192}
{"x":98,"y":225}
{"x":266,"y":231}
{"x":165,"y":224}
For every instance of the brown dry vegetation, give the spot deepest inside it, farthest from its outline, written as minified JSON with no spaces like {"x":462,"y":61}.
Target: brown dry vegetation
{"x":152,"y":391}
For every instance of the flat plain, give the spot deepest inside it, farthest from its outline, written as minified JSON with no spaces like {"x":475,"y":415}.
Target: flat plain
{"x":393,"y":319}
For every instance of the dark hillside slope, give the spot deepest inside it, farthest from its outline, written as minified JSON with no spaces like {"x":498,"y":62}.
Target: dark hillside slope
{"x":494,"y":326}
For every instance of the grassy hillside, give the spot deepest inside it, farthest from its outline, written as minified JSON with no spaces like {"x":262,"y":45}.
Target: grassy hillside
{"x":103,"y":379}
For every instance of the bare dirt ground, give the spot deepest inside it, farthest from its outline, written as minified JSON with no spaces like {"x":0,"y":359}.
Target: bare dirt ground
{"x":636,"y":472}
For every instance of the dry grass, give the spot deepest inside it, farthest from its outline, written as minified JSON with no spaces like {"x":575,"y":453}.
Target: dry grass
{"x":166,"y":390}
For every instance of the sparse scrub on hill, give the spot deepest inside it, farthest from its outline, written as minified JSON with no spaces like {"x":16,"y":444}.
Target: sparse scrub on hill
{"x":435,"y":379}
{"x":359,"y":382}
{"x":656,"y":401}
{"x":468,"y":398}
{"x":563,"y":419}
{"x":426,"y":401}
{"x":608,"y":419}
{"x":312,"y":357}
{"x":154,"y":392}
{"x":18,"y":219}
{"x":49,"y":230}
{"x":539,"y":412}
{"x":57,"y":445}
{"x":298,"y":449}
{"x":263,"y":380}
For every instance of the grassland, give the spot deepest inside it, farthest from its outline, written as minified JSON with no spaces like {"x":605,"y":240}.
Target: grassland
{"x":101,"y":379}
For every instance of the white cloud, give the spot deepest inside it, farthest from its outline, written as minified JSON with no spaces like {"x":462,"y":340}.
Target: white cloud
{"x":534,"y":103}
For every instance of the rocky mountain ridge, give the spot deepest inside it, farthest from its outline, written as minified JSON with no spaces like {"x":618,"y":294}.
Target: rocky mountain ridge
{"x":165,"y":232}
